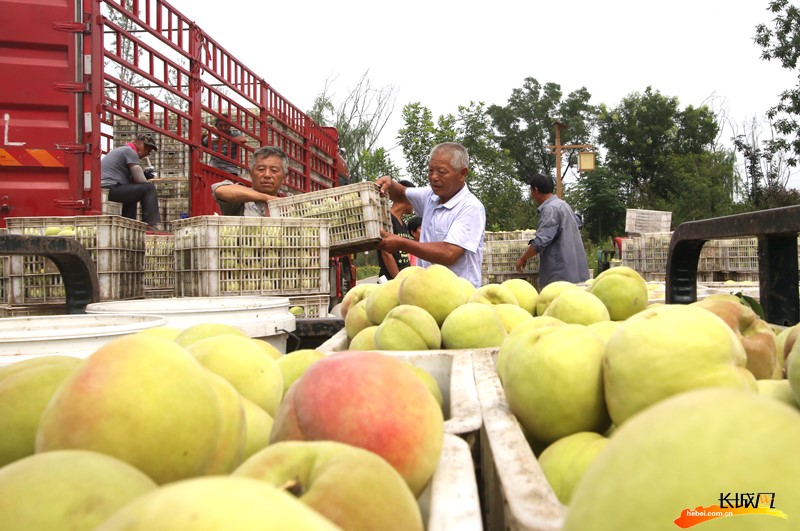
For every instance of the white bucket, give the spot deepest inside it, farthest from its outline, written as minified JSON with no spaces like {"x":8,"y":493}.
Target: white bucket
{"x":67,"y":335}
{"x":266,"y":318}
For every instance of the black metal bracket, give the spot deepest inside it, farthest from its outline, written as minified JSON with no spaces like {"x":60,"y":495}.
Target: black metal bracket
{"x":776,"y":230}
{"x":70,"y":257}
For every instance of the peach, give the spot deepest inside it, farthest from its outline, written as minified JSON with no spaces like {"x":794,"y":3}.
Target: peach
{"x":369,"y":400}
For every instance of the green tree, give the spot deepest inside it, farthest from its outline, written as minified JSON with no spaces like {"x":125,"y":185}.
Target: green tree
{"x":360,"y":118}
{"x":642,"y":133}
{"x":782,"y":43}
{"x":526,"y":123}
{"x":377,"y":163}
{"x":598,"y":196}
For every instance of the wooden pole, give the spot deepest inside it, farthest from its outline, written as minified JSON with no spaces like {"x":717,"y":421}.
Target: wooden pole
{"x":559,"y":126}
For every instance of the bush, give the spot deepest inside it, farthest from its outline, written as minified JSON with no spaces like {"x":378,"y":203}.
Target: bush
{"x":366,"y":271}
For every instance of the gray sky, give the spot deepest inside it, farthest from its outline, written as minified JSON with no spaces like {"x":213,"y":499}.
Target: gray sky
{"x":446,"y":53}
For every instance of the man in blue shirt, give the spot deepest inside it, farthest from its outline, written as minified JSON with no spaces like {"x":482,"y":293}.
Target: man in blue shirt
{"x":558,"y":241}
{"x":453,"y":219}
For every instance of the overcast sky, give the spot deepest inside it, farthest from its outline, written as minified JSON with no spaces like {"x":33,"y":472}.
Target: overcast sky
{"x":447,"y":53}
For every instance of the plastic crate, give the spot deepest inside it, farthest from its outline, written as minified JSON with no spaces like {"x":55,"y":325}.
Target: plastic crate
{"x":313,"y":305}
{"x":159,"y":262}
{"x":234,"y":255}
{"x":115,"y":244}
{"x":452,"y":370}
{"x":109,"y":208}
{"x":357,"y":213}
{"x":451,"y":500}
{"x":177,"y":188}
{"x":3,"y":273}
{"x":32,"y":311}
{"x":516,"y":494}
{"x":525,"y":235}
{"x":741,"y":254}
{"x":500,"y":257}
{"x":643,"y":221}
{"x":532,"y":278}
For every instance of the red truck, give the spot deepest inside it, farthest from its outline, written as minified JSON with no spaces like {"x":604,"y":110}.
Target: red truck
{"x":82,"y":77}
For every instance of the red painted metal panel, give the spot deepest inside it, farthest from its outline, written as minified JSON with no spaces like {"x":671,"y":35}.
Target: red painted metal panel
{"x":37,"y":110}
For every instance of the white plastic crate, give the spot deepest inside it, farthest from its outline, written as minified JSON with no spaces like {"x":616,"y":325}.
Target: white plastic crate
{"x":526,"y":235}
{"x":236,"y":255}
{"x":450,"y":502}
{"x":500,"y":256}
{"x":453,"y":372}
{"x":175,"y":188}
{"x":115,"y":244}
{"x":517,"y":495}
{"x":740,"y":254}
{"x":159,"y":262}
{"x":357,"y":213}
{"x":3,"y":273}
{"x":110,"y":208}
{"x":313,"y":305}
{"x":643,"y":221}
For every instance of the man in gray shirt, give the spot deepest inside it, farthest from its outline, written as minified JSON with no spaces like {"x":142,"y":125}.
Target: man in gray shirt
{"x":558,"y":240}
{"x":127,"y":182}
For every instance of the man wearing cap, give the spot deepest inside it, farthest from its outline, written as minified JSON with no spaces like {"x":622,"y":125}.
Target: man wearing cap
{"x":127,"y":182}
{"x":453,"y":219}
{"x":558,"y":240}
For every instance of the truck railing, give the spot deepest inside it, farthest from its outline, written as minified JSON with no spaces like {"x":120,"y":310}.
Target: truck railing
{"x":167,"y":75}
{"x":776,"y":230}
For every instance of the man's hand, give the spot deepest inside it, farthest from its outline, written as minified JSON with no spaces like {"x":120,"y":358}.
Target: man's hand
{"x":391,"y":242}
{"x":383,"y":183}
{"x":521,"y":263}
{"x":149,"y":173}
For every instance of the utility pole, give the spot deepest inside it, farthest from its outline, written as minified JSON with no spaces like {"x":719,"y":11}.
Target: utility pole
{"x":557,"y":150}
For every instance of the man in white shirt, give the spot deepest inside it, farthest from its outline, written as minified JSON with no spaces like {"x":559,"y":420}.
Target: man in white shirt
{"x":453,"y":219}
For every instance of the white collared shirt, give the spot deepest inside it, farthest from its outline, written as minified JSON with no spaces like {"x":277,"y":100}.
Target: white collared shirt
{"x":461,"y":221}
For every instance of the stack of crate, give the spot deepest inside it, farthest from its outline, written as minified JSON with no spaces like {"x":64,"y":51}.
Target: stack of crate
{"x":501,"y":250}
{"x":720,"y":260}
{"x":116,"y":245}
{"x":159,"y":266}
{"x":231,"y":256}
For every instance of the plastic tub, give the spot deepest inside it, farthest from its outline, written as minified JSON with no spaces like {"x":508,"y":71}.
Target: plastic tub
{"x":68,"y":335}
{"x":517,"y":494}
{"x":266,"y":318}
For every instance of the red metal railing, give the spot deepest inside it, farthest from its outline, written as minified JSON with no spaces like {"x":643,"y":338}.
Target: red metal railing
{"x":164,"y":73}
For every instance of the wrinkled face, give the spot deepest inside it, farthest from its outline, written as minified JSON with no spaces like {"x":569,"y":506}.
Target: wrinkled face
{"x":445,"y":180}
{"x":267,"y":175}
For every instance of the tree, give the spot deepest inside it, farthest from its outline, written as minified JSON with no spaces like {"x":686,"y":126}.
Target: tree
{"x":360,"y":119}
{"x":376,"y":163}
{"x":782,"y":43}
{"x":598,"y":196}
{"x":526,"y":125}
{"x":766,"y":168}
{"x":642,"y":132}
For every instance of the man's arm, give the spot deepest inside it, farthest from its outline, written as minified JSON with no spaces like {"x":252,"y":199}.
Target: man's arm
{"x":390,"y":263}
{"x":434,"y":252}
{"x":232,"y":193}
{"x":137,"y":173}
{"x":529,"y":253}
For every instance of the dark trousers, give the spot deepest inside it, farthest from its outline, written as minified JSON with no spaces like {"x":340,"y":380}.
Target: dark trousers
{"x":132,"y":194}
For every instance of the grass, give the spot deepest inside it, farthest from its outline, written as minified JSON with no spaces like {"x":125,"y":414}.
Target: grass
{"x":366,"y":271}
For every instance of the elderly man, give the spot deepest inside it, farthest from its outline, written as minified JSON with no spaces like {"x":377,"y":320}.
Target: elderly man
{"x":268,"y":169}
{"x":558,"y":241}
{"x":127,"y":182}
{"x":453,"y":219}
